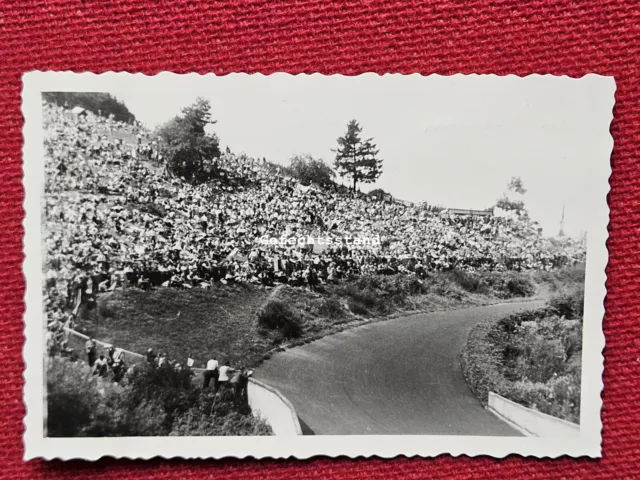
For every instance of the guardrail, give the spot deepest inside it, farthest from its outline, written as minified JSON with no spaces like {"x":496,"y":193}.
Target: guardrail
{"x":529,"y":421}
{"x":269,"y":404}
{"x":77,"y":340}
{"x":265,"y":401}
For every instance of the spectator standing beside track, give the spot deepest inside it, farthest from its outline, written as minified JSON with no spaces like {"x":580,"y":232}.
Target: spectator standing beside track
{"x":90,"y":348}
{"x":161,"y":359}
{"x":239,"y":382}
{"x":211,"y":373}
{"x":151,"y":356}
{"x":100,"y":367}
{"x":225,"y":372}
{"x":110,"y":352}
{"x":118,"y":366}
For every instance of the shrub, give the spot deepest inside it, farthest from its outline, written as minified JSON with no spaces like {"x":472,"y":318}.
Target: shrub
{"x":364,"y":299}
{"x":571,"y":275}
{"x":509,"y":284}
{"x":165,"y":386}
{"x":468,"y":281}
{"x":113,"y":417}
{"x":572,"y":342}
{"x":569,"y":303}
{"x":357,"y":307}
{"x":408,"y":284}
{"x":540,"y":357}
{"x":105,"y":308}
{"x":480,"y":360}
{"x":379,"y":294}
{"x":330,"y":308}
{"x":509,"y":324}
{"x":519,"y":286}
{"x":71,"y":398}
{"x":199,"y":423}
{"x":559,"y":397}
{"x":276,"y":315}
{"x":531,"y":357}
{"x":560,"y":279}
{"x":310,"y":170}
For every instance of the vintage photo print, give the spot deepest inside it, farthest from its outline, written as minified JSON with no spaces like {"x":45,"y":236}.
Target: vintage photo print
{"x":296,"y":265}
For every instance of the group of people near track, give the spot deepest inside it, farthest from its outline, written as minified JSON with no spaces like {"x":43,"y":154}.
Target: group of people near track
{"x":110,"y":362}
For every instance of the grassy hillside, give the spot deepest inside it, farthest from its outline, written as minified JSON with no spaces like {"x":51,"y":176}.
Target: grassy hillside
{"x":181,"y":323}
{"x":222,"y":321}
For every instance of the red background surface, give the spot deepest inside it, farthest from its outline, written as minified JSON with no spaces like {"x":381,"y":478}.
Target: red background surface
{"x":350,"y":37}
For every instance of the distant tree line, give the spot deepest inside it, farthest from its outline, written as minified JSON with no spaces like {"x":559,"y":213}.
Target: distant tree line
{"x":100,"y":103}
{"x":307,"y":170}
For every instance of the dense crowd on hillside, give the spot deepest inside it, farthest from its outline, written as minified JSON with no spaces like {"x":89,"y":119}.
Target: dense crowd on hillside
{"x":115,"y":217}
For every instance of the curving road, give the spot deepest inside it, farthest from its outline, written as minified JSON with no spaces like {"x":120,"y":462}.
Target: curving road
{"x":399,"y":376}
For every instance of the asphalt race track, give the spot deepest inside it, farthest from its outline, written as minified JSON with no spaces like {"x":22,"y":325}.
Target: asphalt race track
{"x":401,"y":376}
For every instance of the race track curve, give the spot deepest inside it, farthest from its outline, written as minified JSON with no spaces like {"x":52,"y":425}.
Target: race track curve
{"x":400,"y":376}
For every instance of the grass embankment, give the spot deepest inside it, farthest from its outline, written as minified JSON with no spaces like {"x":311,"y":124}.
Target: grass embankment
{"x":194,"y":323}
{"x":245,"y":324}
{"x":533,"y":358}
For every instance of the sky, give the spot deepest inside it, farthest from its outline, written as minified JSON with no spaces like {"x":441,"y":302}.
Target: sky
{"x":451,"y":141}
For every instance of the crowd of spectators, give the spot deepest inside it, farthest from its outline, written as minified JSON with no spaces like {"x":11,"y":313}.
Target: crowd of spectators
{"x":110,"y":362}
{"x":115,"y":217}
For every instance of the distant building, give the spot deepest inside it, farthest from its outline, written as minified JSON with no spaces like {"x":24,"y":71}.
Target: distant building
{"x":470,"y":213}
{"x":406,"y":203}
{"x":381,"y":197}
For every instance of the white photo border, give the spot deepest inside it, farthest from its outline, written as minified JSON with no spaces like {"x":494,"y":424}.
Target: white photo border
{"x":36,"y":445}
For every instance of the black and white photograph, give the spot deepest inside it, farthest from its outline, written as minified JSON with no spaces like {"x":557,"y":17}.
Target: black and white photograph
{"x":299,"y":265}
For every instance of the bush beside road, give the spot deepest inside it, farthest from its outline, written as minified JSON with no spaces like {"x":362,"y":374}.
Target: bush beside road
{"x":149,"y":402}
{"x":532,"y":358}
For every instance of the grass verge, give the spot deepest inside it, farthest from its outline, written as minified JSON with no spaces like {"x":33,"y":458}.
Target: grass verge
{"x":245,"y":324}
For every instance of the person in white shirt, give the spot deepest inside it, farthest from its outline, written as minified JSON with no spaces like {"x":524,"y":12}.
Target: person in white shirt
{"x":211,"y":373}
{"x":225,"y":375}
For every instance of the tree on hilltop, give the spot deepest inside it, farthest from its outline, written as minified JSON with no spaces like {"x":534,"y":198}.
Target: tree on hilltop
{"x":310,"y":170}
{"x":100,"y":103}
{"x":515,"y":185}
{"x":356,"y":158}
{"x":511,"y":200}
{"x":191,"y":152}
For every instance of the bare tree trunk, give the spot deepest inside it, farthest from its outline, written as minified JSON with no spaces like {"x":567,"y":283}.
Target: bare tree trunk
{"x":355,"y":172}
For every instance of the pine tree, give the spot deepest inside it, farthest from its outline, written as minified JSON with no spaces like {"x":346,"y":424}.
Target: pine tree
{"x":356,"y":158}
